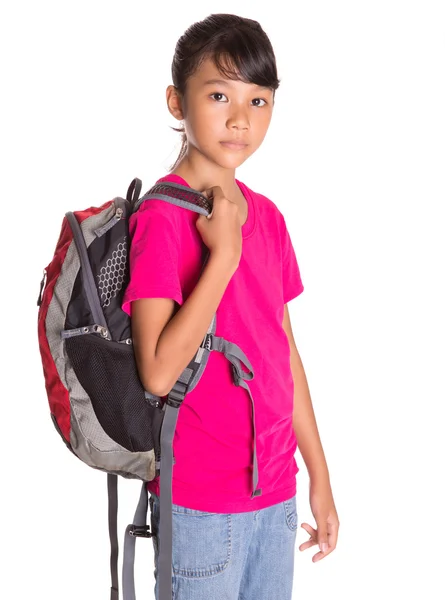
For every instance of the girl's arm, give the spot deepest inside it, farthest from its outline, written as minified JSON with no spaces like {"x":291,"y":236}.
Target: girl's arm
{"x":164,"y":345}
{"x":308,"y":438}
{"x":304,"y":421}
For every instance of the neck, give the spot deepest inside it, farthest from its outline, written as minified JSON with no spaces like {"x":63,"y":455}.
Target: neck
{"x":200,"y":174}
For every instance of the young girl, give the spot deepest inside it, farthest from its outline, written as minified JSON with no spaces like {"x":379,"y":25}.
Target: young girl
{"x":229,"y":541}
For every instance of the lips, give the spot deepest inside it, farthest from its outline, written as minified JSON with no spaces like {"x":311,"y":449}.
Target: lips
{"x":234,"y":145}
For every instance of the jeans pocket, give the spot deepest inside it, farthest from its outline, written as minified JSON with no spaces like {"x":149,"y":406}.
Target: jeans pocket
{"x":202,"y":542}
{"x":290,"y":511}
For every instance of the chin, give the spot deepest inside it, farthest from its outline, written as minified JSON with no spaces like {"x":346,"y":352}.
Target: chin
{"x":231,"y":161}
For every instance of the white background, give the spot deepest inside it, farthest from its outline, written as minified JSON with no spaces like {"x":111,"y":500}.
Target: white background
{"x":354,"y":158}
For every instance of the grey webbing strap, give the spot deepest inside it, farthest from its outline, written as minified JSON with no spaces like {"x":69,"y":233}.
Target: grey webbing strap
{"x":112,"y":528}
{"x":165,"y":525}
{"x":255,"y":492}
{"x":166,"y":502}
{"x":235,"y":355}
{"x":140,"y":519}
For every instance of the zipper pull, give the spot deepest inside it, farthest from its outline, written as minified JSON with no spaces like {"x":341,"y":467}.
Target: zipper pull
{"x":116,"y":217}
{"x":42,"y":284}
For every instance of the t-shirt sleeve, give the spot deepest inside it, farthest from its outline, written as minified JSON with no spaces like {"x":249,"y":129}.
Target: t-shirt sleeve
{"x":153,"y":259}
{"x":292,"y":283}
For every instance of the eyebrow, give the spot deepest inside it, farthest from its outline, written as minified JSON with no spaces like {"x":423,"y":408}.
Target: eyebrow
{"x":227,"y":82}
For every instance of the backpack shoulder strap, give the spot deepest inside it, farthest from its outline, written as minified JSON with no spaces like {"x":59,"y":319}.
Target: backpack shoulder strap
{"x":178,"y":194}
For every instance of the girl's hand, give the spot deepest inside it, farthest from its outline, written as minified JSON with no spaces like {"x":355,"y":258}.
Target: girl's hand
{"x":221,"y":229}
{"x":323,"y":509}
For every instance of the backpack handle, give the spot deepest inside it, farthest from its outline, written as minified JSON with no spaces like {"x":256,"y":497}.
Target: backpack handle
{"x":134,"y":190}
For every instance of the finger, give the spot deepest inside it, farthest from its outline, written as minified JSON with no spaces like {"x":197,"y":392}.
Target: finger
{"x":208,"y":191}
{"x":323,"y":535}
{"x":307,"y":545}
{"x":319,"y":556}
{"x":332,"y":535}
{"x":313,"y":537}
{"x":311,"y":531}
{"x":213,"y":191}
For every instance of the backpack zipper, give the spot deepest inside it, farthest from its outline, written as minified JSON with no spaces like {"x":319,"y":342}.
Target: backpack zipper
{"x":87,"y":329}
{"x":87,"y":274}
{"x":111,"y":223}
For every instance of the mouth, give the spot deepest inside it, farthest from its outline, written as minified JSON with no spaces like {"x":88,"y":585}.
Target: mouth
{"x":234,"y":145}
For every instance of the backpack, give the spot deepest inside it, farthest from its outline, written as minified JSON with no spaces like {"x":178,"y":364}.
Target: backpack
{"x":97,"y":402}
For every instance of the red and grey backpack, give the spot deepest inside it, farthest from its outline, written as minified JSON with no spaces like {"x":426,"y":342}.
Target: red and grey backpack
{"x":96,"y":399}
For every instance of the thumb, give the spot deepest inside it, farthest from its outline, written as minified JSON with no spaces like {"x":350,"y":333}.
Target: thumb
{"x":323,"y":537}
{"x":209,"y":194}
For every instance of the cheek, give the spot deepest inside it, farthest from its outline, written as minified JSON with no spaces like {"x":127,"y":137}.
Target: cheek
{"x":204,"y":120}
{"x":262,"y":118}
{"x":260,"y":125}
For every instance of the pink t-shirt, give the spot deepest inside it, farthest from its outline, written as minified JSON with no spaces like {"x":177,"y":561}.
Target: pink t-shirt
{"x":213,"y":444}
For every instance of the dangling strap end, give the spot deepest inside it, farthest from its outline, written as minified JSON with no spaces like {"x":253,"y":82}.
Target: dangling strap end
{"x":256,"y":493}
{"x":114,"y":594}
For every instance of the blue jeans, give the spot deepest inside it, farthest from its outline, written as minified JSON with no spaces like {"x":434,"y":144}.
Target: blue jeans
{"x":235,"y":556}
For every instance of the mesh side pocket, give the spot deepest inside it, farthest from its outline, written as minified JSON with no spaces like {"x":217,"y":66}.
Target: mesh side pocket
{"x":107,"y":371}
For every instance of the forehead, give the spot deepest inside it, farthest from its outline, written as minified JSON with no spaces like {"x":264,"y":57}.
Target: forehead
{"x":208,"y":69}
{"x":207,"y":74}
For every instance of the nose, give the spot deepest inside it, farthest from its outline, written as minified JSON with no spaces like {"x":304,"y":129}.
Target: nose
{"x":238,"y":119}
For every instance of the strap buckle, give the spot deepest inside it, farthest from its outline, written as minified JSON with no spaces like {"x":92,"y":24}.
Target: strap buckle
{"x":140,"y":531}
{"x":207,"y":342}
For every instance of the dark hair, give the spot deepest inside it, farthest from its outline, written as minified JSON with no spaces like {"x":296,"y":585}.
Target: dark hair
{"x":239,"y":48}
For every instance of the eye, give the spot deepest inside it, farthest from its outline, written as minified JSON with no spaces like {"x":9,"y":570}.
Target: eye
{"x":261,"y":100}
{"x":216,"y":94}
{"x":257,"y":105}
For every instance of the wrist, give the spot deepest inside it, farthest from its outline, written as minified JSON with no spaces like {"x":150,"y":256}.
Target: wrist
{"x":224,"y":261}
{"x":320,"y":478}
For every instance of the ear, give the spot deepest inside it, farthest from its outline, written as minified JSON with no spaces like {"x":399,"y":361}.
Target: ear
{"x":174,"y":102}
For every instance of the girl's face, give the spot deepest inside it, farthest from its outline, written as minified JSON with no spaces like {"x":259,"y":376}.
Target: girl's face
{"x":218,"y":110}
